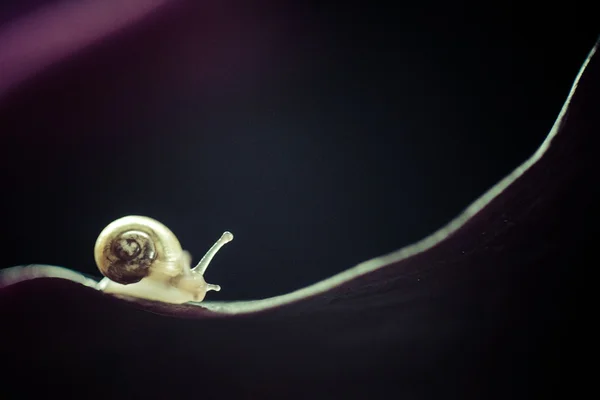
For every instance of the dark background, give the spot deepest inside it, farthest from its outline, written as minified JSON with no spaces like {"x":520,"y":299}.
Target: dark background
{"x":320,"y":134}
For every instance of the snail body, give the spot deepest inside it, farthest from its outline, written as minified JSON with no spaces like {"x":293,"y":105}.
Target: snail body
{"x":141,"y":257}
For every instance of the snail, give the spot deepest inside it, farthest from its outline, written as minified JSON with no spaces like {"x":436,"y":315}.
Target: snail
{"x":141,"y":257}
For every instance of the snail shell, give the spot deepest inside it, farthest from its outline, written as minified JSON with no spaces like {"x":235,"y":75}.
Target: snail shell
{"x":131,"y":248}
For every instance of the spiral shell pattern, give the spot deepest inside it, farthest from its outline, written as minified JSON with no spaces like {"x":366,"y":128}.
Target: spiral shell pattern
{"x":133,"y":247}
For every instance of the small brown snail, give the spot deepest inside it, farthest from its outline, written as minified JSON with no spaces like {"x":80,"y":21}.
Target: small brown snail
{"x":141,"y":257}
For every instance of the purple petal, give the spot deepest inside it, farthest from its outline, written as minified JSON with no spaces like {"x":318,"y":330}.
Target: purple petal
{"x":477,"y":310}
{"x":36,"y":40}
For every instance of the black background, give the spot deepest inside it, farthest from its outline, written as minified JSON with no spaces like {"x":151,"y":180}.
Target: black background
{"x":320,"y":134}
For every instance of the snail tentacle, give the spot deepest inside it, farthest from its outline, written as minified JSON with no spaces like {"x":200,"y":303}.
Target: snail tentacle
{"x":205,"y":261}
